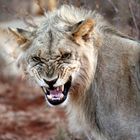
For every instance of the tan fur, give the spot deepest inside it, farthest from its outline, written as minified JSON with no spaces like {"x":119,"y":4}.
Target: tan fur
{"x":51,"y":4}
{"x":104,"y":99}
{"x":83,"y":31}
{"x":38,"y":7}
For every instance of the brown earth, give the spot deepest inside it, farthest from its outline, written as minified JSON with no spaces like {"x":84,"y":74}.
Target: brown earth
{"x":24,"y":114}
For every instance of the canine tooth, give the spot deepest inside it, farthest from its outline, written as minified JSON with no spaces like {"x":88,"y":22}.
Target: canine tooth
{"x":57,"y":89}
{"x":62,"y":87}
{"x":49,"y":96}
{"x":61,"y":96}
{"x":44,"y":89}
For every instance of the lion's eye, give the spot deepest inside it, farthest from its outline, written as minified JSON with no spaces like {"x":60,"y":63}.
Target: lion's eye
{"x":66,"y":55}
{"x":36,"y":59}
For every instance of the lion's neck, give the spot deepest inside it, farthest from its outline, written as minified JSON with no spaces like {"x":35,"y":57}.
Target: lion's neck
{"x":82,"y":104}
{"x":82,"y":115}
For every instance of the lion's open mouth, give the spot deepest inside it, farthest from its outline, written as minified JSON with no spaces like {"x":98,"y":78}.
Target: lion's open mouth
{"x":57,"y":95}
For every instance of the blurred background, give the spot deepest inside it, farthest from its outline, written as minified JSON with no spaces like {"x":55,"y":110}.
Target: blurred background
{"x":24,"y":115}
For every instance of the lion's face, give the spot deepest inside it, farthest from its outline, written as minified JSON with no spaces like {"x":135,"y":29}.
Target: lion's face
{"x":60,"y":61}
{"x":55,"y":68}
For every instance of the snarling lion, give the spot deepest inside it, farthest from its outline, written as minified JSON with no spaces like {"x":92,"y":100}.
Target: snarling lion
{"x":82,"y":62}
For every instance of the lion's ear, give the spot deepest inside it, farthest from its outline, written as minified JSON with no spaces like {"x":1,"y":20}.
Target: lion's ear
{"x":22,"y":36}
{"x":82,"y":30}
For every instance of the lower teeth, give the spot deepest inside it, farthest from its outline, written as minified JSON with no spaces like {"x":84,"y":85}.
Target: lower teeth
{"x":49,"y":96}
{"x":53,"y":97}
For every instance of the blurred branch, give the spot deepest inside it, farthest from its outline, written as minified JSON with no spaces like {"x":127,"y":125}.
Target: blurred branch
{"x":133,"y":17}
{"x":97,"y":4}
{"x":114,"y":6}
{"x":65,"y":1}
{"x":42,"y":10}
{"x":78,"y":3}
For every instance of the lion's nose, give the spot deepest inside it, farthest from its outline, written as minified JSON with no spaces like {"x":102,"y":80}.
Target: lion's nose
{"x":50,"y":83}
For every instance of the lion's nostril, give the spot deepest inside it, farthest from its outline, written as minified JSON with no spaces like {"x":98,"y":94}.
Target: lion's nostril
{"x":50,"y":83}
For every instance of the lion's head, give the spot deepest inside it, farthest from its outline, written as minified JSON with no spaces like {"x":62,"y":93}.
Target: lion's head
{"x":61,"y":54}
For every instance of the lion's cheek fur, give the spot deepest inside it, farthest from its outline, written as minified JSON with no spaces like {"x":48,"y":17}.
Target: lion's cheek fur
{"x":83,"y":78}
{"x":78,"y":95}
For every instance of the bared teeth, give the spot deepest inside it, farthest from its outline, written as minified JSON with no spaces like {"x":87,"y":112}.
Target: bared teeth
{"x":62,"y":88}
{"x":44,"y":89}
{"x":51,"y":97}
{"x":61,"y":96}
{"x":57,"y":89}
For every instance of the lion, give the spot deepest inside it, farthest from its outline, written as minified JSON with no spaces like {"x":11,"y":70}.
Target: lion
{"x":81,"y":62}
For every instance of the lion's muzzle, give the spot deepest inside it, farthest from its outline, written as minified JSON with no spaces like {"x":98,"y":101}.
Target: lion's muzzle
{"x":56,"y":95}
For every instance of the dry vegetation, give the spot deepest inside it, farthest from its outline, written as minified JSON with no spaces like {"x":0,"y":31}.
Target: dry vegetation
{"x":24,"y":114}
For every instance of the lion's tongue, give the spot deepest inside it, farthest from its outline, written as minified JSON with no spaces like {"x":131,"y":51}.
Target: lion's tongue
{"x":56,"y":94}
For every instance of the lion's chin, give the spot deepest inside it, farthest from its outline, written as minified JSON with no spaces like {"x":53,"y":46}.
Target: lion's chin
{"x":57,"y":95}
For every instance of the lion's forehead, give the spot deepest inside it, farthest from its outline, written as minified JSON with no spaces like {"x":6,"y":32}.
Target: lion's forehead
{"x":50,"y":39}
{"x":49,"y":45}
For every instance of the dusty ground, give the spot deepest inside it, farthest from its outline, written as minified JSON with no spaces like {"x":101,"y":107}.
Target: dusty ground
{"x":24,"y":115}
